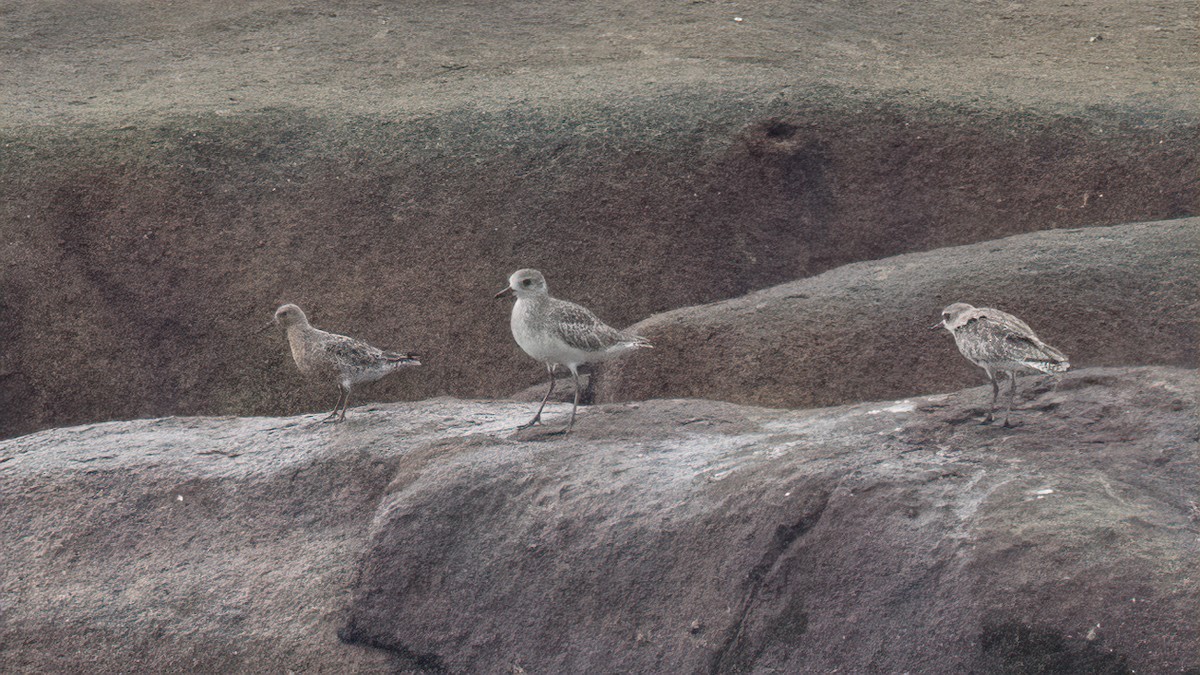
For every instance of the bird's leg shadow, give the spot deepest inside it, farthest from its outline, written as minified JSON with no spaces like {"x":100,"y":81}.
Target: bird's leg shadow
{"x":541,"y":434}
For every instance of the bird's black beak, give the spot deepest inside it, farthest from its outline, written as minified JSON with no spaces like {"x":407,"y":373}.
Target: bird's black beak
{"x":936,"y":326}
{"x":507,"y":291}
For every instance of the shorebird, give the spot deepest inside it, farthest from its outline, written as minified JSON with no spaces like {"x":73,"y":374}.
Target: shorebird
{"x":338,"y":358}
{"x":557,"y":332}
{"x":1000,"y":343}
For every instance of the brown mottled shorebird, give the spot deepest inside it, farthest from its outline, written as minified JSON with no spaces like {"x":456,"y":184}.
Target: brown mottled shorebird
{"x":1001,"y":343}
{"x":557,"y":332}
{"x":338,"y":358}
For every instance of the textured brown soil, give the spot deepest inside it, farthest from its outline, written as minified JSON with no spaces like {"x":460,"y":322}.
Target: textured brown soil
{"x":660,"y":536}
{"x":67,"y":62}
{"x":171,"y":173}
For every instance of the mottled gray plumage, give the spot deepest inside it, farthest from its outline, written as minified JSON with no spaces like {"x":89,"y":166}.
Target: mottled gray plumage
{"x":580,"y":329}
{"x":1001,"y":343}
{"x":338,"y":358}
{"x":557,"y":332}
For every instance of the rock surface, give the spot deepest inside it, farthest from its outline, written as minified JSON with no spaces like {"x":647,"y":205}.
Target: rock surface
{"x":667,"y":535}
{"x":172,"y":173}
{"x":1123,"y":295}
{"x":116,"y":59}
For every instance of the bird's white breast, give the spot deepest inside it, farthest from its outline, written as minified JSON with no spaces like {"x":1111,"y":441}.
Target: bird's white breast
{"x":536,"y":336}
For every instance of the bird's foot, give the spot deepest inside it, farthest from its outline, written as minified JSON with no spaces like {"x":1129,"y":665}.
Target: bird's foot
{"x":536,"y":421}
{"x":546,"y":433}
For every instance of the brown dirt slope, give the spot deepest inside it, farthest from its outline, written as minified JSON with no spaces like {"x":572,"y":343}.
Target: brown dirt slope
{"x":139,"y":263}
{"x":1122,"y":295}
{"x":65,"y":62}
{"x":664,"y":536}
{"x":172,"y":173}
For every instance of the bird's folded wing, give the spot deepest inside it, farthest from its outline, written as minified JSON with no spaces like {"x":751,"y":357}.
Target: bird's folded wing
{"x":350,"y":351}
{"x":1020,"y":339}
{"x":580,"y":329}
{"x":1032,"y":349}
{"x":1004,"y":337}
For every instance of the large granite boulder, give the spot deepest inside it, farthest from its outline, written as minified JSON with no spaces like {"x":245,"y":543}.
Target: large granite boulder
{"x":1107,"y":296}
{"x":672,"y":535}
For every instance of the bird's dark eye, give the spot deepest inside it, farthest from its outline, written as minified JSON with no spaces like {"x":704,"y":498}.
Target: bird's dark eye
{"x":527,"y":283}
{"x":946,"y":317}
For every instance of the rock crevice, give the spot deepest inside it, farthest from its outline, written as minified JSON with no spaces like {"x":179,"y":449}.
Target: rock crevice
{"x":664,"y":535}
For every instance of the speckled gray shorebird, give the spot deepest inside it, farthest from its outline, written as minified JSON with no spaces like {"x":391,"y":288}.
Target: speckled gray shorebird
{"x":557,"y":332}
{"x":330,"y":357}
{"x":1000,"y":343}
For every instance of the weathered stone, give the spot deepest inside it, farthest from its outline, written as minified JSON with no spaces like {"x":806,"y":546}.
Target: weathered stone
{"x":674,"y":535}
{"x":1109,"y":296}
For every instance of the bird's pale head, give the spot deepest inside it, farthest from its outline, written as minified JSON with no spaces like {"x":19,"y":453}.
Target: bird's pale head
{"x":525,"y":283}
{"x":290,"y":315}
{"x":955,"y":315}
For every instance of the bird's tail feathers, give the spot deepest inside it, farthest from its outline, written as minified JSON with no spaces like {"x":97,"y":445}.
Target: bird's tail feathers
{"x":1050,"y":365}
{"x":409,"y":359}
{"x":1057,"y":361}
{"x":639,"y":342}
{"x":1058,"y":366}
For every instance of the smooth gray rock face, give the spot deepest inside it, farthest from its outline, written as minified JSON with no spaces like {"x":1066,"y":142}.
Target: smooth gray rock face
{"x":661,"y":536}
{"x":1107,"y":296}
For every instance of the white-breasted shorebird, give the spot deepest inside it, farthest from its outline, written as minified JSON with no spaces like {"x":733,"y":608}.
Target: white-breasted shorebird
{"x":557,"y":332}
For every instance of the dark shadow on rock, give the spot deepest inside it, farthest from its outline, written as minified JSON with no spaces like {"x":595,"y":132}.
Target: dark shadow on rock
{"x":431,"y":663}
{"x":738,"y":654}
{"x":1015,"y":648}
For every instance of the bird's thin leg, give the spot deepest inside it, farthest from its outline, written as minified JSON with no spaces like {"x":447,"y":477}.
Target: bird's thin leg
{"x":345,"y":404}
{"x":995,"y":394}
{"x":575,"y":376}
{"x":332,"y":417}
{"x":1012,"y":395}
{"x":537,"y":419}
